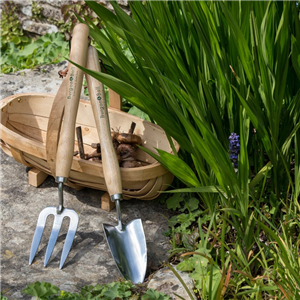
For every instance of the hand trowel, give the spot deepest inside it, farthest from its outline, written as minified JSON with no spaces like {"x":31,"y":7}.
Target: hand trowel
{"x":127,"y":243}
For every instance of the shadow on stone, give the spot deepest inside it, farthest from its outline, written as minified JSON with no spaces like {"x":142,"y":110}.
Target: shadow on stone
{"x":82,"y":244}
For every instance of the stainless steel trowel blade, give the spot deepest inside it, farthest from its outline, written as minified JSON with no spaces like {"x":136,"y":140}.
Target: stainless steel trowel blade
{"x":128,"y":248}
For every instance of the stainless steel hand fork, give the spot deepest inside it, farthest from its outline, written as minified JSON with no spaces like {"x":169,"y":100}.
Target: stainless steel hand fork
{"x":59,"y":213}
{"x":65,"y":151}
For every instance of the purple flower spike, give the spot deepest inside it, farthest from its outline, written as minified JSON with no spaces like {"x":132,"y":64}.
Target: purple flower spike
{"x":234,"y":148}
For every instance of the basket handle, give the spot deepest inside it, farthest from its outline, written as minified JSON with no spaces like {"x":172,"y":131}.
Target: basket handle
{"x":54,"y":125}
{"x":115,"y":100}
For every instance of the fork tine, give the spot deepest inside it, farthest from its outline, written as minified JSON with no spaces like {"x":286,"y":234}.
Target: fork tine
{"x":74,"y":219}
{"x":53,"y":236}
{"x":39,"y":231}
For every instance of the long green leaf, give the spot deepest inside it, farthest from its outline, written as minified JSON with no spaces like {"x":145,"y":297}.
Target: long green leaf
{"x":175,"y":165}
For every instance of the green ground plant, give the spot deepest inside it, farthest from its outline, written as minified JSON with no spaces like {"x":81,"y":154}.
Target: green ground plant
{"x":202,"y":71}
{"x":49,"y":49}
{"x":2,"y":297}
{"x":11,"y":29}
{"x":36,"y":11}
{"x":123,"y":290}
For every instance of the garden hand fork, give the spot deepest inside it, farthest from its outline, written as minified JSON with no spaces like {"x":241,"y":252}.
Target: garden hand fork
{"x":65,"y":151}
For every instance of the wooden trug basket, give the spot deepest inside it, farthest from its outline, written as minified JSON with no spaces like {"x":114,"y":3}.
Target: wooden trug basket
{"x":29,"y":130}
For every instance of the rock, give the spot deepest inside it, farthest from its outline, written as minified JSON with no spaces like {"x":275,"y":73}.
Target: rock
{"x":38,"y":28}
{"x":55,"y":3}
{"x":166,"y":282}
{"x":89,"y":261}
{"x":25,"y":7}
{"x":51,"y":12}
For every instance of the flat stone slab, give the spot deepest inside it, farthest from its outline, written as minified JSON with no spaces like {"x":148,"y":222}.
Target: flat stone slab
{"x":89,"y":261}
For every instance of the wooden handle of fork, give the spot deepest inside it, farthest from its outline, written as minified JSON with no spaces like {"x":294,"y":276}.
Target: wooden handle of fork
{"x":111,"y":169}
{"x":65,"y":150}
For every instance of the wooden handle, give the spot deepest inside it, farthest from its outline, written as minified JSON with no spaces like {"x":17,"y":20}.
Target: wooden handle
{"x":66,"y":142}
{"x":111,"y":169}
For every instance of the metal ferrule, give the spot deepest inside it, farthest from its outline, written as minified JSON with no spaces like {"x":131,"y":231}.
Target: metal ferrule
{"x":60,"y":206}
{"x":115,"y":197}
{"x":119,"y":215}
{"x":61,"y":179}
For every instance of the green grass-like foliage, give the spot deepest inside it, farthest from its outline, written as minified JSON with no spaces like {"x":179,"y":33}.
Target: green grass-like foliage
{"x":203,"y":70}
{"x":50,"y":48}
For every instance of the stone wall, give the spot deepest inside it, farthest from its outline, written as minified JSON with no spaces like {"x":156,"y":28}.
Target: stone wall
{"x":45,"y":16}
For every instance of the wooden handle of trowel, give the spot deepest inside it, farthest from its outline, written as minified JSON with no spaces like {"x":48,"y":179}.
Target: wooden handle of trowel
{"x":111,"y":169}
{"x":65,"y":150}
